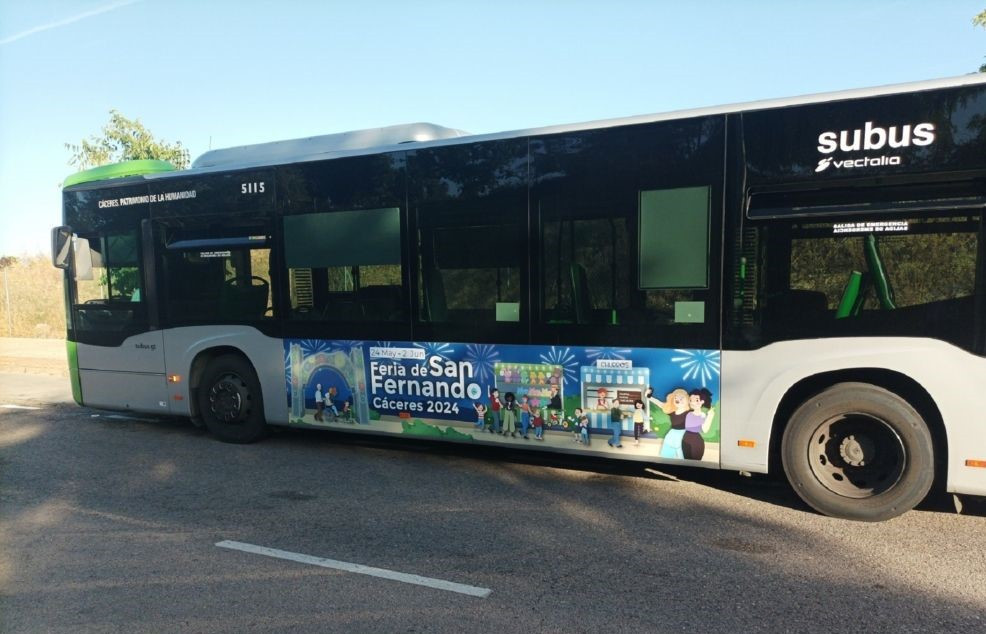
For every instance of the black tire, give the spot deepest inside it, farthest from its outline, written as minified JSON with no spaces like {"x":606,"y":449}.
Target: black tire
{"x":230,"y":401}
{"x":860,"y":452}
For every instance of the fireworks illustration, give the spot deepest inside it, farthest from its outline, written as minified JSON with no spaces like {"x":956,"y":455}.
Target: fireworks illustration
{"x":482,"y":356}
{"x":345,"y":345}
{"x":569,"y":364}
{"x":605,"y":354}
{"x":314,"y":346}
{"x":698,"y":364}
{"x":287,"y":367}
{"x":432,"y":349}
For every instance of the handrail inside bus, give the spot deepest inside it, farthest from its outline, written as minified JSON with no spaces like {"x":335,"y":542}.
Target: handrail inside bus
{"x":878,"y":273}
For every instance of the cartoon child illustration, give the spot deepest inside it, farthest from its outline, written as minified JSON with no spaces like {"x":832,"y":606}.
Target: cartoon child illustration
{"x":676,"y":407}
{"x":496,"y":405}
{"x":615,"y":423}
{"x":537,"y":413}
{"x":582,"y":424}
{"x":330,"y":405}
{"x":638,"y":420}
{"x":697,"y":423}
{"x":480,"y":414}
{"x":347,"y":411}
{"x":510,"y":413}
{"x":319,"y":404}
{"x":525,"y":416}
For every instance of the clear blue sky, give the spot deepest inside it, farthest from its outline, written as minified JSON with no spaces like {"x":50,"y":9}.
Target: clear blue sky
{"x":235,"y":72}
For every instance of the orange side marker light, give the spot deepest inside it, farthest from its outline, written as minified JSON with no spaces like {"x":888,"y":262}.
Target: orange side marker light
{"x":746,"y":443}
{"x":174,"y":378}
{"x":976,"y":463}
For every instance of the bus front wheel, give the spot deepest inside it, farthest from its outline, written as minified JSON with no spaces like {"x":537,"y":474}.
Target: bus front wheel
{"x":857,"y":451}
{"x":229,"y":400}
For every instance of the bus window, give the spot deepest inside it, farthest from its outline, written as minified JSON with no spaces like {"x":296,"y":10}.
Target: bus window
{"x":469,"y":206}
{"x":115,"y":272}
{"x":615,"y":267}
{"x":872,"y":277}
{"x":108,"y":284}
{"x":217,"y":277}
{"x":469,"y":272}
{"x":626,"y":239}
{"x":345,"y":265}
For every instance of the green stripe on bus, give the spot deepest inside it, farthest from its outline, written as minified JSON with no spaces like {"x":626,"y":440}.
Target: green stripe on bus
{"x":73,"y":370}
{"x":119,"y":170}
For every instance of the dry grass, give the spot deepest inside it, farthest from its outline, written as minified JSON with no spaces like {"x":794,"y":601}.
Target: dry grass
{"x":32,"y":301}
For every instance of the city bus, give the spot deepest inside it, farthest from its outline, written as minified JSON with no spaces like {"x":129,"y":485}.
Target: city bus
{"x":792,"y":285}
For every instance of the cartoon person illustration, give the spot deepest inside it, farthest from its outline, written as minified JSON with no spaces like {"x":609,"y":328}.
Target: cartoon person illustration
{"x":697,"y":422}
{"x":649,"y":395}
{"x":319,"y":404}
{"x":537,"y":414}
{"x":330,"y":405}
{"x":638,"y":421}
{"x":573,"y":422}
{"x":480,"y":414}
{"x":554,"y":398}
{"x":615,"y":423}
{"x":347,"y":411}
{"x":602,"y":398}
{"x":510,"y":413}
{"x":582,"y":424}
{"x":525,"y":416}
{"x":496,"y":405}
{"x":676,"y":407}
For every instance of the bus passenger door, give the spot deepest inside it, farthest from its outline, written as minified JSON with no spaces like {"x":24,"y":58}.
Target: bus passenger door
{"x":119,"y":360}
{"x":214,"y":291}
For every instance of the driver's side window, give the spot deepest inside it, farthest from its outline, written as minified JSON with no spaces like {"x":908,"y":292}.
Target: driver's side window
{"x":110,"y":270}
{"x":107,"y":282}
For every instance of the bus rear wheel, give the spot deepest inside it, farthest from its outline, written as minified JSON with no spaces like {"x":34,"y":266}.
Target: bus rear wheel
{"x":230,"y":402}
{"x":857,"y":451}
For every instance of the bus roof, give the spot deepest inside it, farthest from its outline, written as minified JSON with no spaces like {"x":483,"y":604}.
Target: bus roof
{"x":295,"y":149}
{"x":123,"y":169}
{"x":417,"y":135}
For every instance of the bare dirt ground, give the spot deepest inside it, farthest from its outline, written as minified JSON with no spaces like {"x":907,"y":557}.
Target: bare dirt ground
{"x":33,"y":356}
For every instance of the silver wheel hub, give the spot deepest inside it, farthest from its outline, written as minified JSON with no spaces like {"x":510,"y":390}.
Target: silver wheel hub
{"x":855,"y":451}
{"x":856,"y":455}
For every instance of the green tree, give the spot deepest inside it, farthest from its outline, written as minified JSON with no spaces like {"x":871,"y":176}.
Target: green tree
{"x":124,"y":139}
{"x":980,"y":20}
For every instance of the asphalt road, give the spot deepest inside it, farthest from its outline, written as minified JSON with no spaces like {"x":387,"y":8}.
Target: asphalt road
{"x":111,"y":525}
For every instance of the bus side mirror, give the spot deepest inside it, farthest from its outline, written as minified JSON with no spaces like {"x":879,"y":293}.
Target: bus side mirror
{"x":61,"y":246}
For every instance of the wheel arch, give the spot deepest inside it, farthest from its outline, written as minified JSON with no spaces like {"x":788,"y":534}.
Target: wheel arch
{"x":900,"y":384}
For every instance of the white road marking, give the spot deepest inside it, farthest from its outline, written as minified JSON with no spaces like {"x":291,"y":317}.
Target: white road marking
{"x":439,"y":584}
{"x":8,"y":406}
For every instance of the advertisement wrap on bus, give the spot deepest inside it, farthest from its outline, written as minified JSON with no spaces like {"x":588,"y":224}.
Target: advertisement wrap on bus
{"x":656,"y":402}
